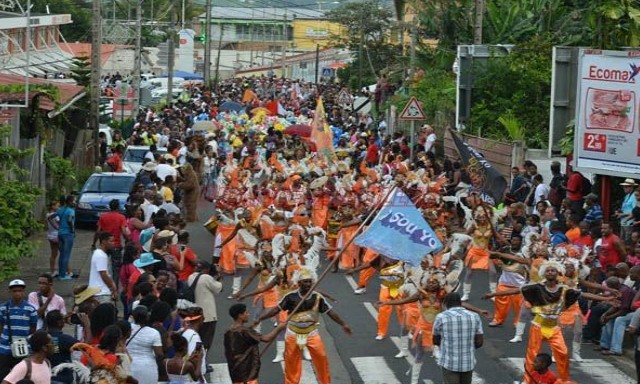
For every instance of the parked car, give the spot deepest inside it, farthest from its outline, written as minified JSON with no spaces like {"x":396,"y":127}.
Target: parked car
{"x":98,"y":191}
{"x":134,"y":155}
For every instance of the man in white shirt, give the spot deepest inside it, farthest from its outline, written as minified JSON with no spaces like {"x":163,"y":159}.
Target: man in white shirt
{"x":45,"y":299}
{"x":163,"y":169}
{"x":192,"y":325}
{"x":429,"y":144}
{"x":99,"y":275}
{"x":149,"y":207}
{"x":205,"y":292}
{"x":541,"y":192}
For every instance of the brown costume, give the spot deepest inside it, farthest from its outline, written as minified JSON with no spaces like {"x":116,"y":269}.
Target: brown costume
{"x":191,"y":189}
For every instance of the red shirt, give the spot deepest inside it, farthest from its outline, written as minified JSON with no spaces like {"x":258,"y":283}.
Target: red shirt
{"x":574,"y":187}
{"x":372,"y":154}
{"x":190,"y":259}
{"x":115,"y":162}
{"x":584,"y":241}
{"x":544,"y":378}
{"x":113,"y":222}
{"x":609,"y":254}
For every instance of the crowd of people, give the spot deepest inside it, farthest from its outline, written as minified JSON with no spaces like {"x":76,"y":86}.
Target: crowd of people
{"x":284,"y":206}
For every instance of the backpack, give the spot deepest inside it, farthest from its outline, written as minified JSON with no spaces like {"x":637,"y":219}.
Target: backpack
{"x":189,"y":293}
{"x":586,"y":186}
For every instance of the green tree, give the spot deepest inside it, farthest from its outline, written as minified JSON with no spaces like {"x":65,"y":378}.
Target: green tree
{"x":367,"y":25}
{"x":81,"y":71}
{"x":80,"y":29}
{"x":17,"y":199}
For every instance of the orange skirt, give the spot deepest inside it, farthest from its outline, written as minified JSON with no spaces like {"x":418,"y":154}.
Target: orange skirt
{"x":568,"y":316}
{"x":411,"y":316}
{"x":227,"y":262}
{"x":477,"y":258}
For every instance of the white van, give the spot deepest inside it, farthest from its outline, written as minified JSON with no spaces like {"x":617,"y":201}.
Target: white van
{"x":163,"y":82}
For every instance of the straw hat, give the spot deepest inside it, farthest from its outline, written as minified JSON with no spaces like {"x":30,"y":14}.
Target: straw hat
{"x":150,"y":166}
{"x":629,"y":183}
{"x":83,"y":293}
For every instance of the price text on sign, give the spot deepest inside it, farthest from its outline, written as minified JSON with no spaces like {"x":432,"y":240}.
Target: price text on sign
{"x":595,"y":142}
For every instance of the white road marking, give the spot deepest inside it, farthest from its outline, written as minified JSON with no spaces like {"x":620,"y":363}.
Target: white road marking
{"x":308,"y":374}
{"x":351,"y":282}
{"x":372,"y":310}
{"x":597,"y":369}
{"x":220,"y":374}
{"x":374,"y":370}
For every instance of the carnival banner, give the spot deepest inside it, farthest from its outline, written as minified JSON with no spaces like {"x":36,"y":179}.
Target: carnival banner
{"x":485,"y":179}
{"x":321,"y":134}
{"x":400,"y":232}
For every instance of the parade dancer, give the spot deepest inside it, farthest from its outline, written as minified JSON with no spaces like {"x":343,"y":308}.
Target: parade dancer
{"x":548,"y":299}
{"x":391,"y":273}
{"x":302,"y":328}
{"x":482,"y":233}
{"x":431,"y":288}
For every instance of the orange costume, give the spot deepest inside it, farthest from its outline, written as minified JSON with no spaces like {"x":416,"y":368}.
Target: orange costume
{"x":547,"y":307}
{"x":514,"y":275}
{"x":350,"y":257}
{"x":367,"y":273}
{"x":392,"y":278}
{"x":320,"y":210}
{"x":478,"y":255}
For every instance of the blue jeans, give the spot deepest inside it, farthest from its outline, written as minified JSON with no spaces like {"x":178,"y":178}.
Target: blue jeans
{"x":65,"y":243}
{"x":613,"y":333}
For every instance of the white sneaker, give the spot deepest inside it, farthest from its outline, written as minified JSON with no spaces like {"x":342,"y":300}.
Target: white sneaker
{"x":403,"y":353}
{"x":576,"y":357}
{"x":279,"y":358}
{"x":360,"y":291}
{"x":379,"y":337}
{"x":464,"y":297}
{"x":516,"y":339}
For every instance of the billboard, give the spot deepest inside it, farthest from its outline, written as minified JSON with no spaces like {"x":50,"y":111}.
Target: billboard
{"x":607,"y":133}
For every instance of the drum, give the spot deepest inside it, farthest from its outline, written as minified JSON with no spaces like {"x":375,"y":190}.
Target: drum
{"x":211,"y":225}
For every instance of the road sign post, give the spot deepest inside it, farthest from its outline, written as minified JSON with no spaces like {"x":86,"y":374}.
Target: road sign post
{"x":412,"y":112}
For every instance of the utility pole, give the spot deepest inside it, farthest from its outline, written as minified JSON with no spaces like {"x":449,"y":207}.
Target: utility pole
{"x":284,"y":43}
{"x":477,"y":28}
{"x":137,"y":65}
{"x":412,"y":50}
{"x":217,"y":79}
{"x":317,"y":62}
{"x":360,"y":59}
{"x":172,"y":54}
{"x":207,"y":45}
{"x":96,"y":42}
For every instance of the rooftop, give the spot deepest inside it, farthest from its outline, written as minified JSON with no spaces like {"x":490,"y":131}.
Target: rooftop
{"x":280,"y":14}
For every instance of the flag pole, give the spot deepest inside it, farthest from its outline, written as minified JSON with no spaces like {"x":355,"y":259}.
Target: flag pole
{"x":332,"y":263}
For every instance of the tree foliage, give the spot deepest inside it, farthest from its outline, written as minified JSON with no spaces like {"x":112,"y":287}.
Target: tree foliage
{"x":80,"y":29}
{"x":17,"y":199}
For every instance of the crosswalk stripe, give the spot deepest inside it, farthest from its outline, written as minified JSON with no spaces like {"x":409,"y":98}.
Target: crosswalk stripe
{"x":597,"y":369}
{"x":220,"y":374}
{"x":351,"y":282}
{"x":372,"y":310}
{"x":374,"y":370}
{"x":308,"y":374}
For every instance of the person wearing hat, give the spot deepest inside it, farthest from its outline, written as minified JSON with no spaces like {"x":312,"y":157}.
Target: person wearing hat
{"x":192,"y":319}
{"x":22,"y":321}
{"x":302,"y":327}
{"x":144,"y":264}
{"x":99,"y":276}
{"x":625,"y":212}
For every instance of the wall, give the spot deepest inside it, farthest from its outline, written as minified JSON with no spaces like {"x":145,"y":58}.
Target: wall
{"x":308,"y":33}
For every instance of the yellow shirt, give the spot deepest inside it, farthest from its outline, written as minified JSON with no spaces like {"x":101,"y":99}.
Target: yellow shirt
{"x":167,"y":193}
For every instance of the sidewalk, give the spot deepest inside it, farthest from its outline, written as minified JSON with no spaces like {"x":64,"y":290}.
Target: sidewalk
{"x":31,"y":268}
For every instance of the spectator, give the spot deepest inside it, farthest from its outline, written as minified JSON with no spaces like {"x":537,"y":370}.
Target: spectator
{"x":45,"y":299}
{"x":100,"y":318}
{"x":574,"y":191}
{"x":115,"y":223}
{"x":66,"y":235}
{"x":144,"y":347}
{"x":206,"y":289}
{"x":182,"y":368}
{"x":612,"y":335}
{"x":192,"y":325}
{"x":241,"y":346}
{"x":36,"y":367}
{"x":540,"y":192}
{"x":131,"y":252}
{"x":541,"y":372}
{"x":187,"y":259}
{"x":53,"y":223}
{"x":458,"y":332}
{"x":99,"y":276}
{"x":23,"y":319}
{"x":62,"y":344}
{"x":430,"y":140}
{"x":556,"y":187}
{"x":594,"y":214}
{"x":625,"y":214}
{"x":84,"y":303}
{"x":585,"y":239}
{"x":519,"y":186}
{"x":611,"y":251}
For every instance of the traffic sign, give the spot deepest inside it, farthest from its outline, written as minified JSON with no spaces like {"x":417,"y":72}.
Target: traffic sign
{"x":412,"y":111}
{"x":344,"y":97}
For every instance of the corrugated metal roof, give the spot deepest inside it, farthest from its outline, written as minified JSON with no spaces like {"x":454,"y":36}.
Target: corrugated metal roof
{"x":263,"y":13}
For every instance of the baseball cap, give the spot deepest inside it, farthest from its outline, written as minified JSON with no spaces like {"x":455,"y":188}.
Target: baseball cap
{"x":17,"y":283}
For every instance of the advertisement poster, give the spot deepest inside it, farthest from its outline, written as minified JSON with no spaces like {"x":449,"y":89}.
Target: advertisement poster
{"x":607,"y":136}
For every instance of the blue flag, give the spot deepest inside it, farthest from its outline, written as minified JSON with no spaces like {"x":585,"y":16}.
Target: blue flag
{"x":400,"y":232}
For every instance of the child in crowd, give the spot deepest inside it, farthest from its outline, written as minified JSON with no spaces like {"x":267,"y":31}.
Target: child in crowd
{"x":542,"y":374}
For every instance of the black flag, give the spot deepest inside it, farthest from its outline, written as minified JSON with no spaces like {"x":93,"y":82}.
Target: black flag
{"x":485,"y":179}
